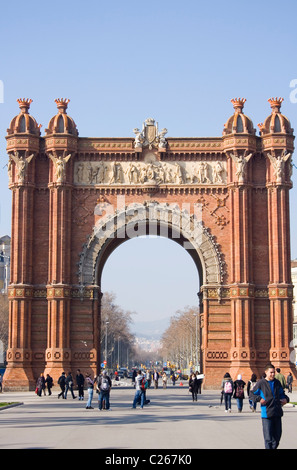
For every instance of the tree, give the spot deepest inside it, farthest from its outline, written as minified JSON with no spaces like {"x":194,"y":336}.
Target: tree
{"x":120,"y":340}
{"x":179,"y":340}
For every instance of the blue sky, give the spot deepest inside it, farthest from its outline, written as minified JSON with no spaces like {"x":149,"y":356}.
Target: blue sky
{"x":121,"y":62}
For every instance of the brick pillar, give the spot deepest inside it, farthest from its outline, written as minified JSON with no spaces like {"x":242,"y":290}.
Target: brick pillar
{"x":58,"y":352}
{"x":242,"y":351}
{"x":280,"y":286}
{"x":19,"y":373}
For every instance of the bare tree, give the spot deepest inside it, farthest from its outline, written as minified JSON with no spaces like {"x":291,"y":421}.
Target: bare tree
{"x":116,"y":336}
{"x":180,"y":339}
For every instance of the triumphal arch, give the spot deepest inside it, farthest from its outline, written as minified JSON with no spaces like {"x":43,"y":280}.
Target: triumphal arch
{"x":74,"y":200}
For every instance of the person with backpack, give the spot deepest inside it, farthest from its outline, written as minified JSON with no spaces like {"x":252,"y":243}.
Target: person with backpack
{"x":140,"y":387}
{"x":250,"y":386}
{"x":103,"y":387}
{"x":227,"y":388}
{"x":239,"y":392}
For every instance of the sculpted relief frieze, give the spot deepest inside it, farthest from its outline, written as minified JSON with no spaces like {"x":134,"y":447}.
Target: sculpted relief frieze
{"x":150,"y":172}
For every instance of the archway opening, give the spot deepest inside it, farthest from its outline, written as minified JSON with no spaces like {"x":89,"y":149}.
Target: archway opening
{"x":156,"y":279}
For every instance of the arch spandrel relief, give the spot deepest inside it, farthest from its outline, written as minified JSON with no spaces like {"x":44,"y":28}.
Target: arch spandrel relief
{"x":91,"y":173}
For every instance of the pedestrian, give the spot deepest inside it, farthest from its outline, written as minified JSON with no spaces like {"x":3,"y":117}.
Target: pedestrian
{"x":227,"y":388}
{"x":49,"y":383}
{"x":156,"y":378}
{"x":193,"y":386}
{"x":80,"y":381}
{"x":40,"y":385}
{"x":62,"y":383}
{"x":173,"y":378}
{"x":239,"y":392}
{"x":272,"y":398}
{"x":281,"y":378}
{"x":148,"y":378}
{"x":290,"y":382}
{"x":164,"y":380}
{"x":1,"y":380}
{"x":133,"y":377}
{"x":250,"y":386}
{"x":69,"y":385}
{"x":103,"y":388}
{"x":90,"y":387}
{"x":139,"y":390}
{"x":199,"y":382}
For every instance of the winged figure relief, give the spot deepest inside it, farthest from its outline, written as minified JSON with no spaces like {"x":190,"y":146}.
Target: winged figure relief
{"x":22,"y":162}
{"x":59,"y":162}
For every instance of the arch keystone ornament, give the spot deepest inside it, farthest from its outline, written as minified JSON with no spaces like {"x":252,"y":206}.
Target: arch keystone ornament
{"x":76,"y":199}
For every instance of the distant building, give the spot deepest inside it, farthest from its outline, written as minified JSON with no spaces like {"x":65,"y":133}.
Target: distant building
{"x":4,"y":263}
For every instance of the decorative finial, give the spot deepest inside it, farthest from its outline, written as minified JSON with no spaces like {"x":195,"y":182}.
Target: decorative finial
{"x":275,"y":104}
{"x":62,"y":104}
{"x":238,"y":104}
{"x":24,"y":104}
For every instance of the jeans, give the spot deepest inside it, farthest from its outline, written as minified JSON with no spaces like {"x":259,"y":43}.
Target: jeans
{"x":103,"y":396}
{"x":239,"y":403}
{"x":272,"y":431}
{"x":68,"y":387}
{"x":227,"y":398}
{"x":138,"y":394}
{"x":253,"y":404}
{"x":90,"y":393}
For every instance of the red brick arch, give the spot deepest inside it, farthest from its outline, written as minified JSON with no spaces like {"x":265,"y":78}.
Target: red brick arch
{"x":63,"y":187}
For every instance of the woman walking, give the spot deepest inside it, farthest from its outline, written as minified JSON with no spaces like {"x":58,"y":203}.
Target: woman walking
{"x":227,"y":388}
{"x":40,"y":385}
{"x":239,"y":392}
{"x":193,"y":386}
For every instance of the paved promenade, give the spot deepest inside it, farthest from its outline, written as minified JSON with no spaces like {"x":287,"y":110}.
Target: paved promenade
{"x":171,"y":421}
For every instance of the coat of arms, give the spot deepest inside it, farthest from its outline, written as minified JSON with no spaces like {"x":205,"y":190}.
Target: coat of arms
{"x":150,"y":136}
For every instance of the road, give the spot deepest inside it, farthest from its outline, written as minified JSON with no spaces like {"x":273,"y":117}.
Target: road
{"x":171,"y":421}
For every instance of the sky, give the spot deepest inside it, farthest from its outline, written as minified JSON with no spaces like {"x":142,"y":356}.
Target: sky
{"x":122,"y":62}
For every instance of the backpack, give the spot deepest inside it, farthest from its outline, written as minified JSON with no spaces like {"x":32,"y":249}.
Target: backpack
{"x":104,"y":385}
{"x":228,"y":387}
{"x":144,"y":384}
{"x":239,"y":391}
{"x":252,"y":386}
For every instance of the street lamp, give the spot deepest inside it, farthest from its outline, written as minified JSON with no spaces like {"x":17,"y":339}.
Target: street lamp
{"x":106,"y":323}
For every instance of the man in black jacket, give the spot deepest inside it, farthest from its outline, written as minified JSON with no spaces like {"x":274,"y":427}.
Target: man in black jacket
{"x":80,"y":380}
{"x":62,"y":383}
{"x":270,"y":394}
